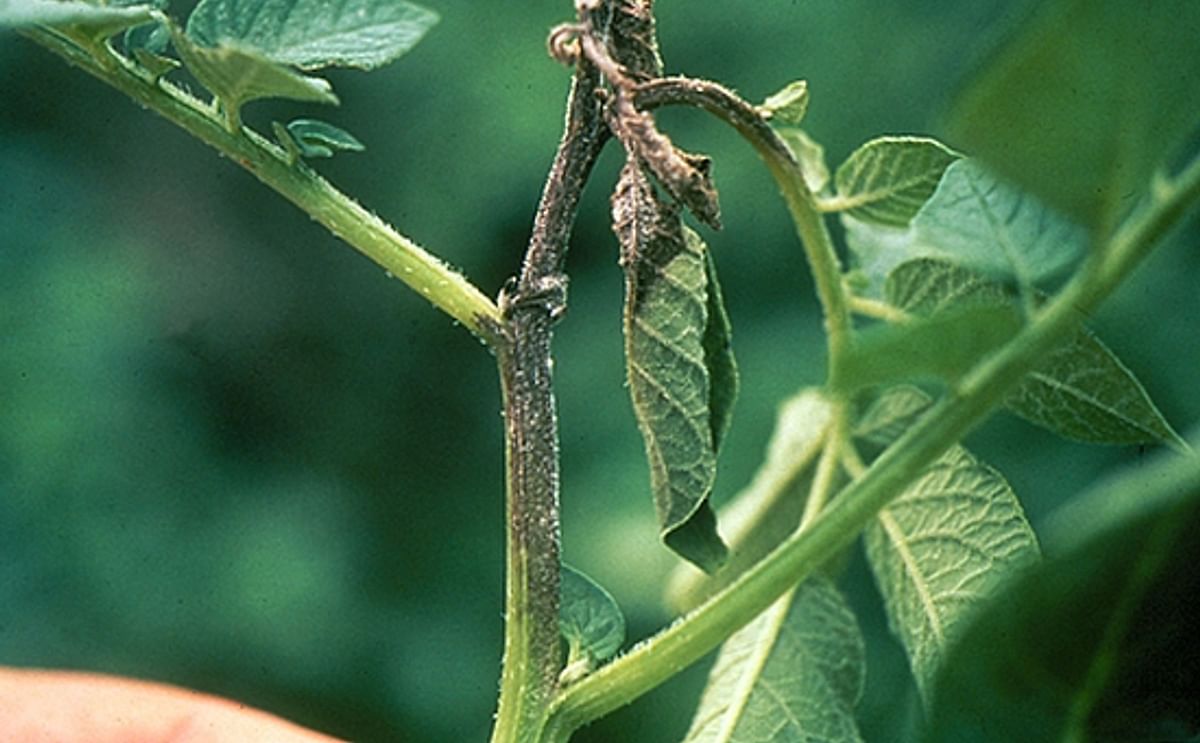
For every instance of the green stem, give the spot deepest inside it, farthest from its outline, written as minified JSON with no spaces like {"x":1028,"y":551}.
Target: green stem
{"x":402,"y":258}
{"x":689,"y":639}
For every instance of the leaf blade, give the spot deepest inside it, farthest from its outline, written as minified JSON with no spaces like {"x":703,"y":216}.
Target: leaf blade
{"x":1080,"y":390}
{"x":940,"y":549}
{"x":793,"y":674}
{"x":888,"y":180}
{"x":97,"y":20}
{"x":1096,"y":643}
{"x":681,"y":402}
{"x":311,"y":34}
{"x":590,"y":620}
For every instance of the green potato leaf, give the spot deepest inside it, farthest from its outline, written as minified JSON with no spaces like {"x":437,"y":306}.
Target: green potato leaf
{"x":71,"y":12}
{"x":1098,"y":642}
{"x":789,"y":105}
{"x":889,"y":179}
{"x":1080,"y":390}
{"x":303,"y":138}
{"x":978,"y":222}
{"x":1082,"y":102}
{"x":682,"y":378}
{"x":90,"y":20}
{"x":795,"y":673}
{"x":941,"y":549}
{"x":311,"y":34}
{"x":591,"y":622}
{"x":236,"y":76}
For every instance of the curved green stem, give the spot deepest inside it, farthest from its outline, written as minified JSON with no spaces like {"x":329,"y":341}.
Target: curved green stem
{"x":689,"y":639}
{"x":448,"y":290}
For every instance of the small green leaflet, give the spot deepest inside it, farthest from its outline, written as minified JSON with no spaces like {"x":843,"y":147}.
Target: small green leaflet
{"x":793,"y":675}
{"x":809,"y":154}
{"x":682,"y":378}
{"x":1098,"y":643}
{"x":94,"y":21}
{"x":978,"y":222}
{"x":311,"y":34}
{"x":236,"y":76}
{"x":1081,"y":390}
{"x":1085,"y":100}
{"x":789,"y":105}
{"x":941,"y":549}
{"x":303,"y":138}
{"x":889,"y":179}
{"x":591,"y":622}
{"x":768,"y":510}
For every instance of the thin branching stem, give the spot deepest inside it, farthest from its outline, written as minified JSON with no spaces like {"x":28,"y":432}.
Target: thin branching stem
{"x":399,"y":255}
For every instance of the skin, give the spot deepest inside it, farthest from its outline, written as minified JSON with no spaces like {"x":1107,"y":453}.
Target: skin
{"x":39,"y":706}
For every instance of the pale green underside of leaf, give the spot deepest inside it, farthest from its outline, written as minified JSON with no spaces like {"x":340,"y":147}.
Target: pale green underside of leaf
{"x":978,"y":222}
{"x":1085,"y":100}
{"x":809,"y":154}
{"x":1098,"y":643}
{"x":889,"y":179}
{"x":313,"y":138}
{"x":941,"y":549}
{"x":789,"y":105}
{"x":793,"y":675}
{"x":236,"y":76}
{"x":766,"y":511}
{"x":1080,"y":390}
{"x":589,"y":618}
{"x":892,"y":413}
{"x":311,"y":34}
{"x":106,"y":20}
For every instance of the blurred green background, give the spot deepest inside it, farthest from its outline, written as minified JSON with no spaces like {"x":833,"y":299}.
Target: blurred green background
{"x":235,"y":456}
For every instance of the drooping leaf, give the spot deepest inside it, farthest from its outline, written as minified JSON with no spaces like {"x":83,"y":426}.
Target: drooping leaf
{"x":789,"y":105}
{"x":236,"y":76}
{"x":304,"y":138}
{"x":809,"y":154}
{"x":941,"y":549}
{"x":794,"y":674}
{"x":943,"y":346}
{"x":590,"y":621}
{"x":1098,"y":643}
{"x":90,"y":20}
{"x":889,"y":179}
{"x":767,"y":510}
{"x":1080,"y":390}
{"x":978,"y":222}
{"x":311,"y":34}
{"x":681,"y":376}
{"x":1085,"y":100}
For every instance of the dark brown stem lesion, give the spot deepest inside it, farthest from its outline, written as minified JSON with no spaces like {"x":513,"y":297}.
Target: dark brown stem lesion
{"x":530,"y":305}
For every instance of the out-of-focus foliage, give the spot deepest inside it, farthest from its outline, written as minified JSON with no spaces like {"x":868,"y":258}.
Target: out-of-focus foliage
{"x":234,"y":456}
